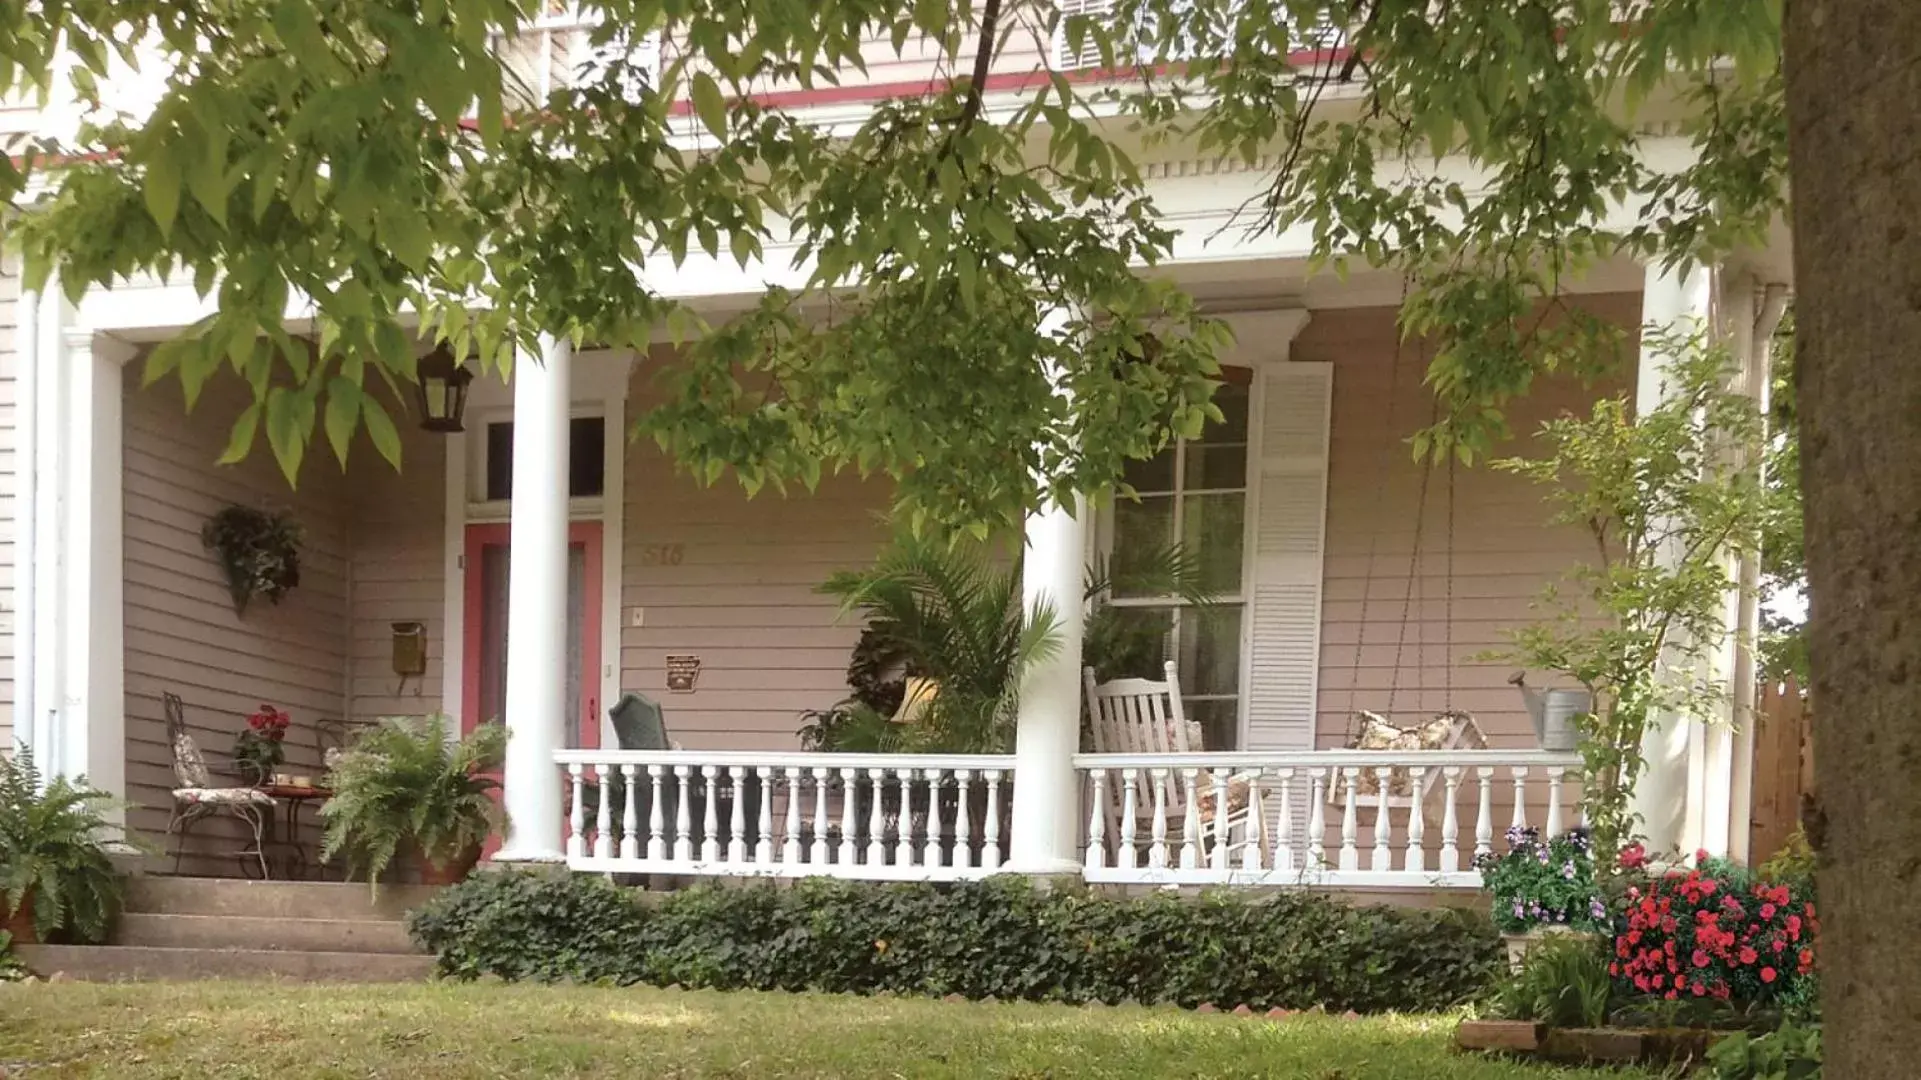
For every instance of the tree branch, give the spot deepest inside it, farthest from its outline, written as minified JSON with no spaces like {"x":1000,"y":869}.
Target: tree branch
{"x":983,"y":63}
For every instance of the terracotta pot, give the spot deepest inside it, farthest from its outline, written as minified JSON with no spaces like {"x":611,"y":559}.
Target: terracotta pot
{"x":20,"y":923}
{"x":451,"y":872}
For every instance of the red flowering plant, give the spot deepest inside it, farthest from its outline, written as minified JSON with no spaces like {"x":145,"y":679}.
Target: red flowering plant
{"x":258,"y":750}
{"x":1716,"y":933}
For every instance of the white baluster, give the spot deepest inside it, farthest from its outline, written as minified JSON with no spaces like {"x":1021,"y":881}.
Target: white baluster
{"x":1350,"y":819}
{"x":849,"y":801}
{"x":1519,"y":773}
{"x":1097,"y":822}
{"x":1125,"y":855}
{"x":1190,"y":821}
{"x":1319,"y":783}
{"x":904,"y":831}
{"x":1554,"y":800}
{"x":1484,"y":816}
{"x":683,"y":814}
{"x":1217,"y":859}
{"x":630,"y":817}
{"x":1383,"y":856}
{"x":820,"y":853}
{"x":737,"y":827}
{"x":656,"y":819}
{"x":876,"y":825}
{"x":1251,"y":853}
{"x":710,"y":821}
{"x":963,"y":823}
{"x":991,"y":847}
{"x":1157,"y":840}
{"x":1284,"y":821}
{"x":1450,"y":821}
{"x":577,"y":817}
{"x":604,"y":816}
{"x":764,"y":847}
{"x":1416,"y":821}
{"x":790,"y":852}
{"x":930,"y":851}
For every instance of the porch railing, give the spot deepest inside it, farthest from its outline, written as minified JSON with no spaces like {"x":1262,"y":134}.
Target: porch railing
{"x":886,"y":817}
{"x":1298,"y":818}
{"x":1337,"y":819}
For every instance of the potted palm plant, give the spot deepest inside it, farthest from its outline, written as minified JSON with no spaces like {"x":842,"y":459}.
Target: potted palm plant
{"x":57,"y":880}
{"x":407,"y":786}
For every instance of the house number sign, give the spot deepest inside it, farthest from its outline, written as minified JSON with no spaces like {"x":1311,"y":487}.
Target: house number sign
{"x":682,"y":672}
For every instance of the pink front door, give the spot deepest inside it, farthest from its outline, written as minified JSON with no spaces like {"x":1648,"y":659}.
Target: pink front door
{"x":485,"y":670}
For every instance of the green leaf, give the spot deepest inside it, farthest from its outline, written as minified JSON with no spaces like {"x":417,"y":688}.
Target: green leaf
{"x":709,"y":105}
{"x":240,"y":440}
{"x":160,"y":187}
{"x":380,"y":428}
{"x":285,"y":434}
{"x":342,"y":415}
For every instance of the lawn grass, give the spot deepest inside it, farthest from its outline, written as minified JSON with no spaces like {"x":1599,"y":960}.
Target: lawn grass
{"x":431,"y":1032}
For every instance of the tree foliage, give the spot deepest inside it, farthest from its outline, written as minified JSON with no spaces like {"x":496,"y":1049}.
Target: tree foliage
{"x":364,"y":162}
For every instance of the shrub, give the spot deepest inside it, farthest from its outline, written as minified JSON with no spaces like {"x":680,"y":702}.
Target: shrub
{"x":1001,"y":938}
{"x":1716,"y":932}
{"x":1536,"y":883}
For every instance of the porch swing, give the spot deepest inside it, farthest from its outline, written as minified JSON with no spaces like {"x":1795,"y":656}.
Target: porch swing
{"x":1449,"y":728}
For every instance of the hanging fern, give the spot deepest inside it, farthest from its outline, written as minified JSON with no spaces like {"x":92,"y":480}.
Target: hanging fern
{"x":259,"y":551}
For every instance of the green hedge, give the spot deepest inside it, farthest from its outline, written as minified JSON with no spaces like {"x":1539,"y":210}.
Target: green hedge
{"x":1001,"y":938}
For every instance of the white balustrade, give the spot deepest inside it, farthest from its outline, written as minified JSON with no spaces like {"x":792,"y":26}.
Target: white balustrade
{"x":1248,"y":818}
{"x":894,"y":817}
{"x":1236,"y":818}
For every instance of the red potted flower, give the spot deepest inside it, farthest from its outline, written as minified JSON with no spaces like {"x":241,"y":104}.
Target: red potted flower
{"x":260,"y":748}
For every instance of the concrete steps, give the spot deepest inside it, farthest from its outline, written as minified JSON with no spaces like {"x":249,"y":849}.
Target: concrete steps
{"x":213,"y":928}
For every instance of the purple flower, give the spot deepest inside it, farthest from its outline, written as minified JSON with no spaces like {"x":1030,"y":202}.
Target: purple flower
{"x":1567,"y":871}
{"x":1519,"y":910}
{"x":1597,"y":909}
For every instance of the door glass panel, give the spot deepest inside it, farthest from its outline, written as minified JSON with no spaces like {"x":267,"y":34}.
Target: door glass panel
{"x":494,"y":564}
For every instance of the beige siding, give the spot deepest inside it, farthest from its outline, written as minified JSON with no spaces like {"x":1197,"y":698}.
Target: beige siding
{"x":12,"y":512}
{"x":1498,"y":559}
{"x":182,"y":634}
{"x":741,"y":597}
{"x":399,"y":524}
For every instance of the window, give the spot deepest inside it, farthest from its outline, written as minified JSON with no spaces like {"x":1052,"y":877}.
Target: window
{"x":1142,"y":39}
{"x":586,"y":458}
{"x":1194,"y":493}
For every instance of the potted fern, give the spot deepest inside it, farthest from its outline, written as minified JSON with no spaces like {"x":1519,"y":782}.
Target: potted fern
{"x":57,"y":880}
{"x":407,"y":787}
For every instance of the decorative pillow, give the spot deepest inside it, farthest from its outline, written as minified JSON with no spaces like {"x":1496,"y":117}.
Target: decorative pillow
{"x":1444,"y":731}
{"x":189,"y":768}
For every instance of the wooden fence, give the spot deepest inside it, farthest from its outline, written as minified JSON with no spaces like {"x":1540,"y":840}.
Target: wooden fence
{"x":1783,"y":766}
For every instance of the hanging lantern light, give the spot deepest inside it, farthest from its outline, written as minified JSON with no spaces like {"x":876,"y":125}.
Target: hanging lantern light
{"x":443,"y":390}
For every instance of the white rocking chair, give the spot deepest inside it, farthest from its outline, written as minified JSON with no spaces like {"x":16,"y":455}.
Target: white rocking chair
{"x":1143,"y":716}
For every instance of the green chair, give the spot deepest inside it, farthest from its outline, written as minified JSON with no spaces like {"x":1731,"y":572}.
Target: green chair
{"x":639,"y":723}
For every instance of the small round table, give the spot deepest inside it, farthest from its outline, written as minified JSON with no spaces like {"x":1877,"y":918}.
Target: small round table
{"x":292,"y":798}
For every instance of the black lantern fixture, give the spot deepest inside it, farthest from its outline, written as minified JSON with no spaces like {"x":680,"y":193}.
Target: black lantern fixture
{"x":443,"y":390}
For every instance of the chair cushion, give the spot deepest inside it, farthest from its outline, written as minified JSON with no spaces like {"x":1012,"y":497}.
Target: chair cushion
{"x":189,"y":768}
{"x":1444,"y":731}
{"x":222,"y":796}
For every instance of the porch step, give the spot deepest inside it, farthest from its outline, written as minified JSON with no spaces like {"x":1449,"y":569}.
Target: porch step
{"x":153,"y":894}
{"x":141,"y":963}
{"x":249,"y":932}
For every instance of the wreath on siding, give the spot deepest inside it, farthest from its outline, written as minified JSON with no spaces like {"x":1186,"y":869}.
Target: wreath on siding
{"x":259,"y":551}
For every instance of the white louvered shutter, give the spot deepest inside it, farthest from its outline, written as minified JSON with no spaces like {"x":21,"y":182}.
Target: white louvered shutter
{"x":1066,"y":58}
{"x":1284,"y":602}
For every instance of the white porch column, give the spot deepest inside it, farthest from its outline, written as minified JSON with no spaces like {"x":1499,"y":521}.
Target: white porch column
{"x":1674,"y":747}
{"x":1047,"y":805}
{"x":536,"y":699}
{"x":90,"y":709}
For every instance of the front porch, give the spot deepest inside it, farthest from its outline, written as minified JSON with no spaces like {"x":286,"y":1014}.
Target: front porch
{"x":1340,"y":589}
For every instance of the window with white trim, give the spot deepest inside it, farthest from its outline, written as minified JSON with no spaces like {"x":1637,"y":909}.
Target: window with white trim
{"x":1321,"y":35}
{"x":1194,"y":493}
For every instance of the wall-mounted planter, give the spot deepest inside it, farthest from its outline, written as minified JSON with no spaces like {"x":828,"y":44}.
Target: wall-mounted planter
{"x":259,"y":551}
